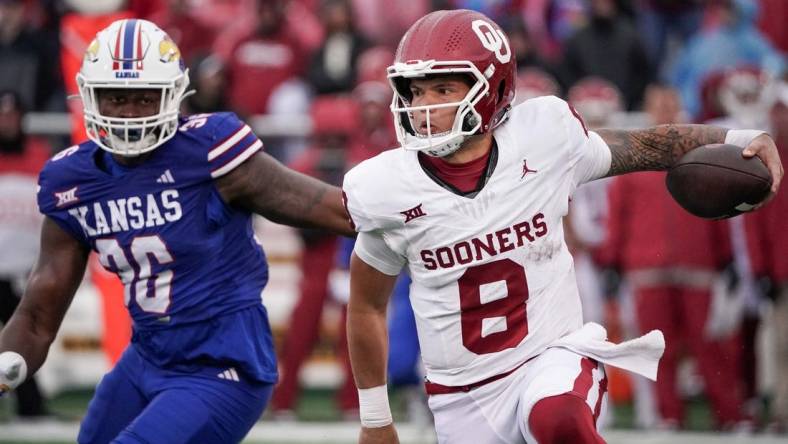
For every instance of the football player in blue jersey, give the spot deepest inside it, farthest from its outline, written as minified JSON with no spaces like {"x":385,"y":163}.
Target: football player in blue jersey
{"x":166,"y":201}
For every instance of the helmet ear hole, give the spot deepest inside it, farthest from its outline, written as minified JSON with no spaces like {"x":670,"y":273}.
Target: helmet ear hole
{"x":469,"y":122}
{"x":501,"y":90}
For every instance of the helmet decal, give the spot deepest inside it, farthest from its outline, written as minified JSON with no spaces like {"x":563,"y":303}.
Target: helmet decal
{"x":129,"y":51}
{"x":168,"y":51}
{"x":493,"y":39}
{"x":91,"y":54}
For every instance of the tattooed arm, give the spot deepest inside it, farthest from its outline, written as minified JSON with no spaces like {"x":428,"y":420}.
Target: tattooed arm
{"x":659,"y":147}
{"x":266,"y":187}
{"x":656,"y":148}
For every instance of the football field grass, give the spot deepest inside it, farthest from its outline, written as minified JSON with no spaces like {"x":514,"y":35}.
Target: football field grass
{"x":318,"y":421}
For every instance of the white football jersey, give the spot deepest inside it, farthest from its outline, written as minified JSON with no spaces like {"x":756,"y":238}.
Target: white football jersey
{"x":493,"y":281}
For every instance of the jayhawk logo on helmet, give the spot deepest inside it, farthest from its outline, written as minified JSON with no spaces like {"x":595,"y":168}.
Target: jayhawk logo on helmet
{"x":168,"y":51}
{"x":92,"y":53}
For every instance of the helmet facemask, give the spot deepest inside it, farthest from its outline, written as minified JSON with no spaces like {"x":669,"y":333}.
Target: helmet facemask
{"x":467,"y":120}
{"x":137,"y":135}
{"x":131,"y":55}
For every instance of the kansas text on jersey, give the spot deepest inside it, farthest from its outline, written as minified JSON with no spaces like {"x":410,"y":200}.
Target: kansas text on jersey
{"x":184,"y":256}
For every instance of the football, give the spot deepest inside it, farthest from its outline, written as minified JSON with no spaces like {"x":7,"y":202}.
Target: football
{"x":715,"y":181}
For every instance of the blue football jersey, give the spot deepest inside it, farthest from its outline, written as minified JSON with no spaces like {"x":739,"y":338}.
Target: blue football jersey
{"x":183,"y":255}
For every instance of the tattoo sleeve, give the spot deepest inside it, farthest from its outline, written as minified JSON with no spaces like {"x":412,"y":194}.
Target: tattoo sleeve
{"x":266,"y":187}
{"x":656,"y":148}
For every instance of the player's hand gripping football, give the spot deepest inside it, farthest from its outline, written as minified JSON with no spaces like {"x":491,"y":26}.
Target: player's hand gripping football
{"x":763,"y":146}
{"x":380,"y":435}
{"x":13,"y":371}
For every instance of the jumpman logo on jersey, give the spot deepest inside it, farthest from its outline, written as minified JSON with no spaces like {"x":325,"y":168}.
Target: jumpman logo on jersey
{"x":526,"y":170}
{"x":413,"y":213}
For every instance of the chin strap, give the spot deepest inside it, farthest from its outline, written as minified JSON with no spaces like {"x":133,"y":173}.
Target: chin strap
{"x":125,"y":148}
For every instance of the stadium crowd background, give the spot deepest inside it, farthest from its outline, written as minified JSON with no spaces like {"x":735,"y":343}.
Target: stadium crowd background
{"x":310,"y":78}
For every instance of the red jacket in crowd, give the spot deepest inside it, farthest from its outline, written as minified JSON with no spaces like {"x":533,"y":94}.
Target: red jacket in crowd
{"x":647,"y":229}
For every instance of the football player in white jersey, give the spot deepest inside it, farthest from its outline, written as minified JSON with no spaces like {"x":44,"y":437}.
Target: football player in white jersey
{"x":472,"y":205}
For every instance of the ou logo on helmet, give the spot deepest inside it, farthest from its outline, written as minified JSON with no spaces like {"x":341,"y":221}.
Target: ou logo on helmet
{"x":493,"y":39}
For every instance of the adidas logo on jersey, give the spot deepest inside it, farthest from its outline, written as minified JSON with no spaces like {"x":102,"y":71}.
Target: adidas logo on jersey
{"x":230,"y":374}
{"x":166,"y":177}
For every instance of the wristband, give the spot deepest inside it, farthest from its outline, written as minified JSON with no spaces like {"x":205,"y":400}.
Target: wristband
{"x":13,"y":370}
{"x":742,"y":138}
{"x":373,"y":405}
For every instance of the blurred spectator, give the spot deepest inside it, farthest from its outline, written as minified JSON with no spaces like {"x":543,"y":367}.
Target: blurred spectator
{"x":385,"y":21}
{"x":735,"y":41}
{"x":661,"y":20}
{"x":375,"y":132}
{"x":608,"y":47}
{"x":21,"y":158}
{"x":218,"y":14}
{"x":746,"y":95}
{"x":208,"y":79}
{"x":596,"y":101}
{"x":372,"y":64}
{"x":192,"y":36}
{"x":96,"y":7}
{"x":671,"y":259}
{"x":533,"y":82}
{"x":767,"y":240}
{"x":523,"y":46}
{"x":772,"y":22}
{"x":298,"y":15}
{"x":333,"y":65}
{"x":262,"y":60}
{"x":663,"y":105}
{"x":334,"y":121}
{"x":497,"y":10}
{"x":564,"y":18}
{"x":146,"y":9}
{"x":77,"y":30}
{"x":28,"y":62}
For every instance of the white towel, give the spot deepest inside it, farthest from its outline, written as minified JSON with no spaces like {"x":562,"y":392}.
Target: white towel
{"x":640,"y":355}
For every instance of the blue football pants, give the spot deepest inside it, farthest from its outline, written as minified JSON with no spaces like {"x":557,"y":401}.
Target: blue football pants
{"x":140,"y":403}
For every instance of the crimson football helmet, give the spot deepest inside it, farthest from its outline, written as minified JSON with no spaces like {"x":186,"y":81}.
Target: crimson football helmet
{"x":453,"y":42}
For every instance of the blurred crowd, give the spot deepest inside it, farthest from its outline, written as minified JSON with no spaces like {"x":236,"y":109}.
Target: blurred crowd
{"x":713,"y":287}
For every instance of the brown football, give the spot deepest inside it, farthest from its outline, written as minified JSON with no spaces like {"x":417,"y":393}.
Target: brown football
{"x":715,"y":181}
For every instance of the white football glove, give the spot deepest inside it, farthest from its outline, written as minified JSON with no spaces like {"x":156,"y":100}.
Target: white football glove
{"x":13,"y":371}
